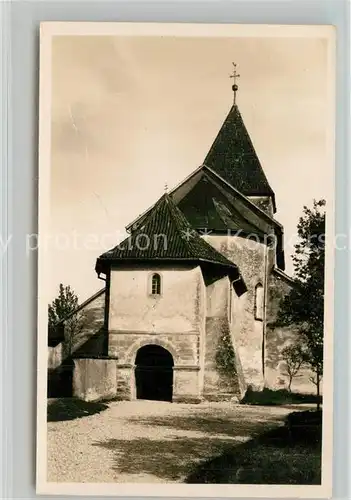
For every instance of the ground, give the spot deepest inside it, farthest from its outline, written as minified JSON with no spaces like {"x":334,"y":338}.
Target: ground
{"x":149,"y":442}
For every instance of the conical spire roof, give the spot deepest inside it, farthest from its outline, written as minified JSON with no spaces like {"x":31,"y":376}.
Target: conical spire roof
{"x":165,"y":235}
{"x":233,"y":157}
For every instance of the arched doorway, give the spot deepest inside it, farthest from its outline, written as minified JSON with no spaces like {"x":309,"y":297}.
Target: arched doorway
{"x":154,"y":373}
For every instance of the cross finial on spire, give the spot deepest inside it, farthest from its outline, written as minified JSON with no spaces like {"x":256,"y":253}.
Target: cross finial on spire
{"x":235,"y":87}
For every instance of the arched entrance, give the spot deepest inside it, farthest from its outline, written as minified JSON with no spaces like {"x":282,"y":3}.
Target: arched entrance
{"x":154,"y":373}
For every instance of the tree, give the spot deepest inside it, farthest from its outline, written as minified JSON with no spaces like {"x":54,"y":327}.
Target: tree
{"x":61,"y":308}
{"x":303,"y":306}
{"x":294,"y":358}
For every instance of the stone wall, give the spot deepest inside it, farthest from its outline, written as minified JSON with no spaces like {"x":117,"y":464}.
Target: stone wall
{"x":254,"y":259}
{"x":94,"y":379}
{"x":237,"y":318}
{"x":91,"y":332}
{"x":173,"y":320}
{"x":55,"y":356}
{"x":90,"y":322}
{"x":133,"y":308}
{"x":220,"y":380}
{"x":91,"y":319}
{"x":279,"y":337}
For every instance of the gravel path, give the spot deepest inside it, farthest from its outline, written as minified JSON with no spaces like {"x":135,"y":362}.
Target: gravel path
{"x":148,"y":442}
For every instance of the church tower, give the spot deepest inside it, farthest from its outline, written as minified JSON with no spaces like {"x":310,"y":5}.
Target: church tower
{"x":229,"y":203}
{"x":233,"y":157}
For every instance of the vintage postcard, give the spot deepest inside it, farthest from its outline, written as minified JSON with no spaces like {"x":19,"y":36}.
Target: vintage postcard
{"x":186,"y":243}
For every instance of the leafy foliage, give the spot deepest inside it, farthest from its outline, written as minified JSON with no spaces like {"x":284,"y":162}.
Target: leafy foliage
{"x":225,"y":356}
{"x":294,"y":357}
{"x":269,"y":397}
{"x":61,"y":308}
{"x":304,"y":305}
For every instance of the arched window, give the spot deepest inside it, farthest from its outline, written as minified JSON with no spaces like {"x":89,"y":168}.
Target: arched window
{"x":259,"y":302}
{"x":156,"y":284}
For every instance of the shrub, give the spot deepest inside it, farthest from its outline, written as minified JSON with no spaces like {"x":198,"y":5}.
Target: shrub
{"x":268,"y":397}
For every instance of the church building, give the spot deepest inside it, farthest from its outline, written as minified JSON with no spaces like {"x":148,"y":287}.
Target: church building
{"x":190,"y":298}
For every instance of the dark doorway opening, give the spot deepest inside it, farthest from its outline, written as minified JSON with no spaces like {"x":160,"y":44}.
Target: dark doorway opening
{"x":60,"y":380}
{"x":154,"y":373}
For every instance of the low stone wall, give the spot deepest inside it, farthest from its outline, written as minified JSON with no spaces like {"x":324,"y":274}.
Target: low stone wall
{"x":55,"y":356}
{"x":94,"y":379}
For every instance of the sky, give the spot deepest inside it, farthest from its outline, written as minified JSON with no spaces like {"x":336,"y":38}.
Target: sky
{"x":131,"y":114}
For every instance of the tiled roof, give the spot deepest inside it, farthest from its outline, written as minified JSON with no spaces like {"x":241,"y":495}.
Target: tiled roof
{"x":205,"y":206}
{"x":233,"y":157}
{"x":165,"y":235}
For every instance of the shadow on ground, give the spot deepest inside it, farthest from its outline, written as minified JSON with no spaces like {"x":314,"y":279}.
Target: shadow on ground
{"x":249,"y":451}
{"x":274,"y":457}
{"x":70,"y":409}
{"x":251,"y":424}
{"x":169,"y":459}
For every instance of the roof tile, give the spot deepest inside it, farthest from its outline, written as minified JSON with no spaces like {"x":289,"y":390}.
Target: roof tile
{"x":233,"y":157}
{"x":165,"y":235}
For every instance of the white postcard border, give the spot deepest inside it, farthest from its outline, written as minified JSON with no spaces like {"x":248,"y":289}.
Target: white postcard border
{"x":48,"y":31}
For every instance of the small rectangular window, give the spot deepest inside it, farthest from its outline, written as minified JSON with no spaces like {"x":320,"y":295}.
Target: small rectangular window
{"x":259,"y":302}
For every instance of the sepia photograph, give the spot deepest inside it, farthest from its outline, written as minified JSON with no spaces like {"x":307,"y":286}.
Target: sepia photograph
{"x":185,"y":310}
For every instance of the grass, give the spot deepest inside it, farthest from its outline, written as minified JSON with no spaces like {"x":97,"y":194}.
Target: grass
{"x":268,"y":397}
{"x":71,"y":408}
{"x":305,"y":426}
{"x":275,"y":457}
